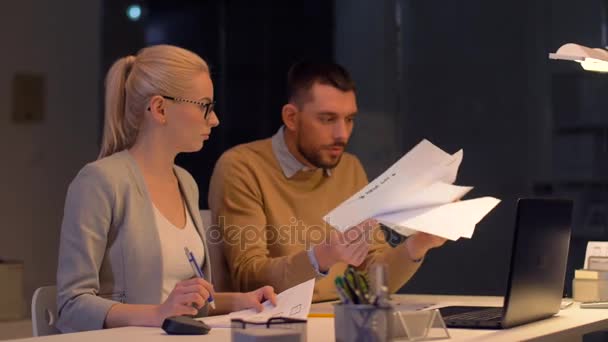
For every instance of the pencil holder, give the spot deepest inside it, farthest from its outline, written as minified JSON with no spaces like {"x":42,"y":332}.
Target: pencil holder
{"x":362,"y":322}
{"x":377,"y":324}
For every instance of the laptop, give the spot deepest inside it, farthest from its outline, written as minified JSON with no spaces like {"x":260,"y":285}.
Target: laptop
{"x":537,"y":269}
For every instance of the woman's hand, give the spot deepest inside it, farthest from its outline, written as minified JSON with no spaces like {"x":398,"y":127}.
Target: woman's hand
{"x":254,"y":299}
{"x":186,"y":293}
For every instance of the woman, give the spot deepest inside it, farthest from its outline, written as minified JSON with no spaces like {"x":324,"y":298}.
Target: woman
{"x":130,"y":215}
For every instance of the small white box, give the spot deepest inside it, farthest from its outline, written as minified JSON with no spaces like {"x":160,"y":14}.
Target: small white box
{"x":12,"y":303}
{"x":589,"y":290}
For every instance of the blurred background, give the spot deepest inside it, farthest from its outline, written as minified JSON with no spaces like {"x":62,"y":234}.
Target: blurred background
{"x":470,"y":74}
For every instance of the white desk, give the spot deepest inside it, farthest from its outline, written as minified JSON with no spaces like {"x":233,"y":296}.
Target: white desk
{"x":569,"y":325}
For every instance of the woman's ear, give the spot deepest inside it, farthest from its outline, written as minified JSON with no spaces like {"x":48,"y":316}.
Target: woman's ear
{"x":289,"y":115}
{"x":156,"y":107}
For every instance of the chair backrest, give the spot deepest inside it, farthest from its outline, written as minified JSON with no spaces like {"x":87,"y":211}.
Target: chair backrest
{"x":215,"y":244}
{"x":44,"y":311}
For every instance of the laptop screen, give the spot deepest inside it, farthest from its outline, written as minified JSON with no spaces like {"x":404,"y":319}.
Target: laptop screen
{"x":538,"y":260}
{"x":536,"y":272}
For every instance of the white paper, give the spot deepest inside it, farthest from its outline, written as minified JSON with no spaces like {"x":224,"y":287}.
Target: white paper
{"x":416,"y":194}
{"x":293,"y":303}
{"x":451,"y":221}
{"x":595,"y":248}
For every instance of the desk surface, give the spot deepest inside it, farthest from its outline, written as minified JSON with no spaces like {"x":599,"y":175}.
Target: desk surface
{"x":568,"y":325}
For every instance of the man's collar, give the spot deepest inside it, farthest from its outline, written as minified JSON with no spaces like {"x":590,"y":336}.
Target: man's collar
{"x":289,"y":164}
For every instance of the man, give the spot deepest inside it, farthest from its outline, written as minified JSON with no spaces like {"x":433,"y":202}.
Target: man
{"x":269,"y":196}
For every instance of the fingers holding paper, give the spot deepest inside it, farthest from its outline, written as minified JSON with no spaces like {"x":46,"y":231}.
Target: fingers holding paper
{"x":420,"y":243}
{"x":359,"y":232}
{"x":350,"y":247}
{"x":256,"y":298}
{"x":355,"y":253}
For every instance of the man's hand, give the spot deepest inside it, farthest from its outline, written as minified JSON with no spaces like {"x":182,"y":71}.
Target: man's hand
{"x":350,"y":247}
{"x":418,"y":244}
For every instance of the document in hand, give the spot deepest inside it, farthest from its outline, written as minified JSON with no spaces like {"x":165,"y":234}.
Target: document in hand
{"x":292,"y":303}
{"x":417,"y":194}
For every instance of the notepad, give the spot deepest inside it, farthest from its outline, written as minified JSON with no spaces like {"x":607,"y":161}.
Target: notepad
{"x":294,"y":302}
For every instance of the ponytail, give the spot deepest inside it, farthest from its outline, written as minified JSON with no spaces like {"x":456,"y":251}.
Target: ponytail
{"x":117,"y":133}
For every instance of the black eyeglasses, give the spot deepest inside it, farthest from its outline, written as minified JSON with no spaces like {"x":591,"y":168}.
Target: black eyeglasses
{"x":206,"y":107}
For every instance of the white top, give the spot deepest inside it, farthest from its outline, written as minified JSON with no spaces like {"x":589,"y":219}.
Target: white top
{"x":172,"y":241}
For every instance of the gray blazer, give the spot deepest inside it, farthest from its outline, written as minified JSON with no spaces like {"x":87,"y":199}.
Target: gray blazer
{"x":109,"y":248}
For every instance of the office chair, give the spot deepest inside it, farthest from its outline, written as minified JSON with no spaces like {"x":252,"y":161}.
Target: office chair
{"x":44,"y":311}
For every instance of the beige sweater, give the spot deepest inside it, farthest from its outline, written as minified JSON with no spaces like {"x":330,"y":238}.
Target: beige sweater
{"x":269,"y":221}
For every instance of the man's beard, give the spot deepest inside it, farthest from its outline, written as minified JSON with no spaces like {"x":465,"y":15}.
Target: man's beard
{"x":314,"y":156}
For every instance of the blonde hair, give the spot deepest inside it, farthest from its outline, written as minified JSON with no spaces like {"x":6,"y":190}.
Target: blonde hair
{"x":133,"y":80}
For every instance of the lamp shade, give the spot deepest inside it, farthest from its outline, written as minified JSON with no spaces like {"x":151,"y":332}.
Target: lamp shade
{"x":591,"y":59}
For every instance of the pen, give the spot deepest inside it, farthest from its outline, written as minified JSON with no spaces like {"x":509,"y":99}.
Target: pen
{"x":341,"y":284}
{"x":380,"y":287}
{"x":349,"y":280}
{"x":358,"y":281}
{"x":321,"y":315}
{"x":198,"y":272}
{"x":344,"y":297}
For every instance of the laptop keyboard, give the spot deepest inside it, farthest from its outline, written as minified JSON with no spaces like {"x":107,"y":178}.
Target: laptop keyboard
{"x":488,"y":314}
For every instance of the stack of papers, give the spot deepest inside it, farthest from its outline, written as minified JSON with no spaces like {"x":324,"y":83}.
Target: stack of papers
{"x":417,"y":194}
{"x":292,"y":303}
{"x":596,"y":255}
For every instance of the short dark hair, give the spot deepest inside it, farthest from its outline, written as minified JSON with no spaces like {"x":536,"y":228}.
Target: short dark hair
{"x":303,"y":75}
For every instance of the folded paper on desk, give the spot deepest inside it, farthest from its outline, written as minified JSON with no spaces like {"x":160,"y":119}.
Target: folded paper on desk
{"x":292,"y":303}
{"x":417,"y":194}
